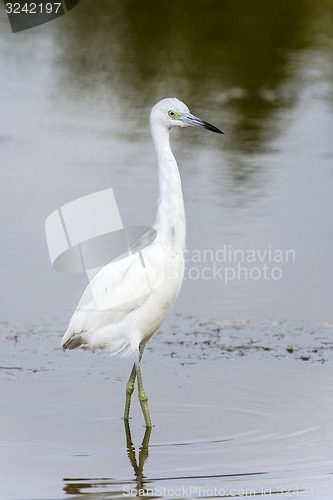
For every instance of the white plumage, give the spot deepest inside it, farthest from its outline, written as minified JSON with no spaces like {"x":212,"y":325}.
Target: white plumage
{"x":127,"y":301}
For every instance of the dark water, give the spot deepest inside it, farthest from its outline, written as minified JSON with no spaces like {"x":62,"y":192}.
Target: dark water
{"x":75,"y":101}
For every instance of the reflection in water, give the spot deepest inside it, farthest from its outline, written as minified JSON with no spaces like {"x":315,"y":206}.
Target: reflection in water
{"x":78,"y":486}
{"x":76,"y":99}
{"x":242,"y":61}
{"x":236,"y":54}
{"x":143,"y":454}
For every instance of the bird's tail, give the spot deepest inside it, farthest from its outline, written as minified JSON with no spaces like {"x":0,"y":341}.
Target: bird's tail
{"x":73,"y":342}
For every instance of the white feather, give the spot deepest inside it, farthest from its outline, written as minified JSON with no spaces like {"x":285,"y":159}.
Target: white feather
{"x":126,"y":302}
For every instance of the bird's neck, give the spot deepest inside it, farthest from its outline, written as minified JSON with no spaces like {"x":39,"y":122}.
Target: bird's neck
{"x":170,"y":222}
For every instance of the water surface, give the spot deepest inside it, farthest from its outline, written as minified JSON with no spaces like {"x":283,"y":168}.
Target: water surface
{"x":76,"y":95}
{"x":225,"y":419}
{"x":239,"y":377}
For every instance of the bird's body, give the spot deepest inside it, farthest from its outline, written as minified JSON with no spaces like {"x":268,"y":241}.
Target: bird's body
{"x":128,"y":300}
{"x":97,"y":323}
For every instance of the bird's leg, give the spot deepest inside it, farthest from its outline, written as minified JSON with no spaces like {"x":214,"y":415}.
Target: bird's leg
{"x":129,"y":392}
{"x":143,"y":398}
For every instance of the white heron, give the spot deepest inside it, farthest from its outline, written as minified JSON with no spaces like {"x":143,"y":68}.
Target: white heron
{"x":124,"y":321}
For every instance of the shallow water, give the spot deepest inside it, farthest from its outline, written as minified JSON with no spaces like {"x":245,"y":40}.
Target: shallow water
{"x":257,"y":421}
{"x":76,"y":95}
{"x":240,"y":408}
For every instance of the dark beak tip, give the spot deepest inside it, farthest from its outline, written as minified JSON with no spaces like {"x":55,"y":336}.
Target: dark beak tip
{"x":217,"y":130}
{"x":212,"y":128}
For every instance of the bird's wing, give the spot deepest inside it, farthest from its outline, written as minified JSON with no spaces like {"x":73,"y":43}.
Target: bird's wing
{"x":119,"y":288}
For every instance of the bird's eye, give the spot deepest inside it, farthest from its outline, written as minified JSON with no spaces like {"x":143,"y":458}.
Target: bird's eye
{"x":172,"y":114}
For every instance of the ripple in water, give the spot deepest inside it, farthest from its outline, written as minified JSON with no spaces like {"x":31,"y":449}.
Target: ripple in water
{"x":262,"y":429}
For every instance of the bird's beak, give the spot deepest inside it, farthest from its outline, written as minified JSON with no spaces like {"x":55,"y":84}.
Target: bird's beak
{"x":193,"y":121}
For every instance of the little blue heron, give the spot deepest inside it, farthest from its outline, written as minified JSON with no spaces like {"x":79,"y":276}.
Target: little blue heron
{"x":134,"y":299}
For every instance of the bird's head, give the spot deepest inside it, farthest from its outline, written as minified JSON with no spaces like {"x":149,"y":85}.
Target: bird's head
{"x":172,"y":113}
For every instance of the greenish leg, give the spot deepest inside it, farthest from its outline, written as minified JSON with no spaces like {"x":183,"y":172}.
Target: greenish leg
{"x":143,"y":398}
{"x":129,"y":392}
